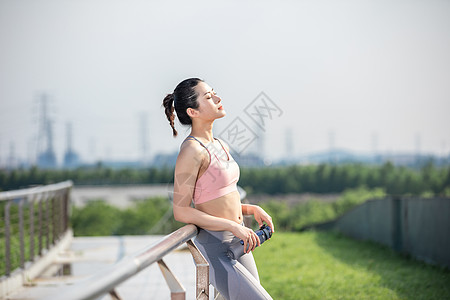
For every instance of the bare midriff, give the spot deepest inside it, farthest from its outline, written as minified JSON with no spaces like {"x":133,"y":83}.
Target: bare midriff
{"x":227,"y":206}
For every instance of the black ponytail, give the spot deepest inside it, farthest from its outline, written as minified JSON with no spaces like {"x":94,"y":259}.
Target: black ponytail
{"x":183,"y":97}
{"x":168,"y":109}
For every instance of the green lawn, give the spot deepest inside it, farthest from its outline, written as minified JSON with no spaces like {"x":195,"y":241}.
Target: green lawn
{"x":325,"y":265}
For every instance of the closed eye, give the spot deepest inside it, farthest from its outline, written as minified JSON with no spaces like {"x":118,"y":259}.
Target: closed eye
{"x":212,"y":92}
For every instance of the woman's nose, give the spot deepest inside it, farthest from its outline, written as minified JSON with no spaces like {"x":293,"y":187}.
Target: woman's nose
{"x":218,"y":99}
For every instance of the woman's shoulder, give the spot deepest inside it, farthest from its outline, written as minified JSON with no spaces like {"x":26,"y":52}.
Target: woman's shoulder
{"x":190,"y":157}
{"x":190,"y":148}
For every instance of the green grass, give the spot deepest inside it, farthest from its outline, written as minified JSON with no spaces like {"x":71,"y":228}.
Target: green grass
{"x":326,"y":265}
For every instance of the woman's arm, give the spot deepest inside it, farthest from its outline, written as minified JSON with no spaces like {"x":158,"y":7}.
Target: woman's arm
{"x":259,"y":214}
{"x":187,"y":167}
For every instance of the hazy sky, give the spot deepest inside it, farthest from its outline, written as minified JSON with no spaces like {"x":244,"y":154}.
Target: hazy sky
{"x":353,"y":69}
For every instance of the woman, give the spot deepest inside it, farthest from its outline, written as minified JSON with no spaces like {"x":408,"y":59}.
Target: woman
{"x":207,"y":175}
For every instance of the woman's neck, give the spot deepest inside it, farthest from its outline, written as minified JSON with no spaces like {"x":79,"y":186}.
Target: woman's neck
{"x":203,"y":130}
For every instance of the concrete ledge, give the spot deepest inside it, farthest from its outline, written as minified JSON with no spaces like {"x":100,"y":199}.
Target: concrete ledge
{"x":22,"y":277}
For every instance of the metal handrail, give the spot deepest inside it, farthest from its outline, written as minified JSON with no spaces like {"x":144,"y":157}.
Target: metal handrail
{"x":108,"y":278}
{"x":28,"y":192}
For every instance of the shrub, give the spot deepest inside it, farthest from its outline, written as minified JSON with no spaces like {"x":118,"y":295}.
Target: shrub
{"x":98,"y":218}
{"x":297,"y":216}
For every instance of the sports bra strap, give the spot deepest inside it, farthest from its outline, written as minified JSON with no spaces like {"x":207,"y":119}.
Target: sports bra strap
{"x":190,"y":136}
{"x":223,"y":148}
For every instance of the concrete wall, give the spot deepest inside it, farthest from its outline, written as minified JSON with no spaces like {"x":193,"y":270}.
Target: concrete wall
{"x":420,"y":227}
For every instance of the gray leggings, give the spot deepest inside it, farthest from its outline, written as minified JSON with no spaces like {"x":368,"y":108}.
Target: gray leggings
{"x":234,"y":279}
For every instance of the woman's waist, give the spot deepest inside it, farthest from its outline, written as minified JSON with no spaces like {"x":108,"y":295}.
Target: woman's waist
{"x":227,"y":207}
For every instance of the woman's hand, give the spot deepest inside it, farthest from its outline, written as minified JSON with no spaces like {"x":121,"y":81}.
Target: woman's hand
{"x":249,"y":237}
{"x":261,"y":216}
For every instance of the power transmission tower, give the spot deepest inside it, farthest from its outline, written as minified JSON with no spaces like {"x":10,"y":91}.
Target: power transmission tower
{"x":374,"y":138}
{"x":418,"y":144}
{"x":332,"y":146}
{"x":260,"y":143}
{"x":289,"y":144}
{"x":12,"y":156}
{"x":93,"y":149}
{"x":71,"y":159}
{"x":143,"y":125}
{"x":46,"y":157}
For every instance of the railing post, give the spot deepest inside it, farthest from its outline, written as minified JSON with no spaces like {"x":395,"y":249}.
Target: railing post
{"x":202,"y":274}
{"x":54,"y":219}
{"x":177,"y":291}
{"x":7,"y":239}
{"x":31,"y":204}
{"x":114,"y":295}
{"x":62,"y":229}
{"x":66,"y":209}
{"x":61,"y":216}
{"x":47,"y":223}
{"x":40,"y":227}
{"x":21,"y":235}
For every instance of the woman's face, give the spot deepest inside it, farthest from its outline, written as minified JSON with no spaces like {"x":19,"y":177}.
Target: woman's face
{"x":210,"y":105}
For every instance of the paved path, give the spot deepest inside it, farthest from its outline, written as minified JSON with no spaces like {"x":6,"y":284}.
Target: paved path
{"x":87,"y":255}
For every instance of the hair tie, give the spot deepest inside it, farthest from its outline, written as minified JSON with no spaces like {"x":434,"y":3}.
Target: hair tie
{"x":173,"y":95}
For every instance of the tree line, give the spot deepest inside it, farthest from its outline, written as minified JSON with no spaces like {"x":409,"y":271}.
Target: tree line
{"x":323,"y":178}
{"x":328,"y":178}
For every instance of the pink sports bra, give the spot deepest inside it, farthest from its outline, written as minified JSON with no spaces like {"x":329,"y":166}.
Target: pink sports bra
{"x":220,"y":178}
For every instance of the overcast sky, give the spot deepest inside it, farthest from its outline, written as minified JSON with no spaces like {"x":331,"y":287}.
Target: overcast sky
{"x":373,"y":74}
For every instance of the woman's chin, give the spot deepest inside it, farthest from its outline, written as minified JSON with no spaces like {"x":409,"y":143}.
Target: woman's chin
{"x":223,"y":113}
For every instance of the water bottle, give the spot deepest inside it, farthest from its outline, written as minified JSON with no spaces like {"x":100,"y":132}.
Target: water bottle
{"x":237,"y":249}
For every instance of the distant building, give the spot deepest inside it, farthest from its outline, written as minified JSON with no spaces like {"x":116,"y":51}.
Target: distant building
{"x":47,"y":160}
{"x":71,"y":160}
{"x":165,"y":160}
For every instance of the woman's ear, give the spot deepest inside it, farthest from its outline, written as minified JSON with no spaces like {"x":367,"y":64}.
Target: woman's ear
{"x":192,"y":112}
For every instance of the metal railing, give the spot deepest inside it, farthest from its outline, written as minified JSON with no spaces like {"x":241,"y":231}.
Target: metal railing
{"x":106,"y":280}
{"x":40,"y":216}
{"x":33,"y":220}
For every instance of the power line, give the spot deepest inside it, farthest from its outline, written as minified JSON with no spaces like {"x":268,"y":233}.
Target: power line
{"x":143,"y":125}
{"x":289,"y":144}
